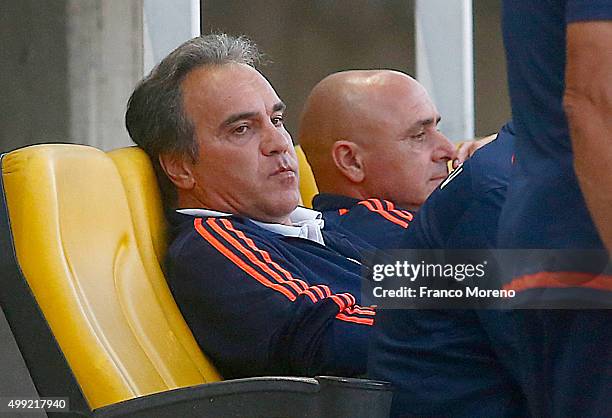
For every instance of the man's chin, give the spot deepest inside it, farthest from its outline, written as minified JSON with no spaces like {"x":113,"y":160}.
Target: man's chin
{"x":281,"y":209}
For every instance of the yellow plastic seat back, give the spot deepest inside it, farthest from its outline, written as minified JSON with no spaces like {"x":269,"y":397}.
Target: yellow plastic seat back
{"x":98,"y":289}
{"x":144,"y":200}
{"x":151,"y":232}
{"x":308,"y":185}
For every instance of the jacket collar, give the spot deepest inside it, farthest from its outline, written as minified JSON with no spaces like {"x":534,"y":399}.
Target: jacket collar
{"x":327,"y":201}
{"x":306,"y":223}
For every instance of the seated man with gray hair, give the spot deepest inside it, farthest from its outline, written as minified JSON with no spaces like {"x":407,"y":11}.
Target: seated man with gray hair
{"x":263,"y":288}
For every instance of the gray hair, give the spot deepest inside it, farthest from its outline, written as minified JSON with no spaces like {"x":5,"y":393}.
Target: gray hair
{"x":155,"y":118}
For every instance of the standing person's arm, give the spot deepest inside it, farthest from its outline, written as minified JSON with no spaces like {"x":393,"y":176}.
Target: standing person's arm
{"x":588,"y":105}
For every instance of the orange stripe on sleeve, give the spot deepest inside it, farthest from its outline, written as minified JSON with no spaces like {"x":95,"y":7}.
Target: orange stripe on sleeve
{"x":318,"y":292}
{"x":326,"y":288}
{"x":339,"y":301}
{"x":359,"y":310}
{"x":560,"y":279}
{"x":368,"y":310}
{"x":351,"y":299}
{"x":356,"y":319}
{"x":266,"y":256}
{"x":249,"y":254}
{"x":291,"y":281}
{"x":374,"y":205}
{"x":345,"y":301}
{"x":401,"y":213}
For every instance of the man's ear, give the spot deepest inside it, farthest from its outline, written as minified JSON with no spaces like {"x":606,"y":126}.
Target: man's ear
{"x":178,"y":170}
{"x":348,"y":160}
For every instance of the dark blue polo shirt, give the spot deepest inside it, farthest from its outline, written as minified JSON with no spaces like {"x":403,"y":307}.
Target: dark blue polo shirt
{"x":565,"y":356}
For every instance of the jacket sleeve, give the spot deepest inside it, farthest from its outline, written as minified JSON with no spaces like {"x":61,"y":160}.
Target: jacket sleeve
{"x":254,"y":313}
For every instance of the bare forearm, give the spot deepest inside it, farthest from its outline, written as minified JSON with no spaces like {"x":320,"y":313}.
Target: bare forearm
{"x":592,"y":145}
{"x":588,"y":104}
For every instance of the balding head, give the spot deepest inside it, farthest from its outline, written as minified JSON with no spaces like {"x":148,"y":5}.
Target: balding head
{"x":373,"y":134}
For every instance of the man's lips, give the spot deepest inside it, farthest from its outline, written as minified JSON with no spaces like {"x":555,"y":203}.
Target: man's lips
{"x":283,"y":170}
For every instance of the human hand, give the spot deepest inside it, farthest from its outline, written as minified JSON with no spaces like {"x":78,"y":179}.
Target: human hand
{"x":467,"y":148}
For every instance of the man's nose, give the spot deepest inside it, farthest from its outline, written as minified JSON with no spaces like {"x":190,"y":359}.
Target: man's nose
{"x":275,"y":141}
{"x":445,"y":150}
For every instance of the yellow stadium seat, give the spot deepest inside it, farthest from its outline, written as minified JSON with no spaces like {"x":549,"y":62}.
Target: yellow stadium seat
{"x":145,"y":204}
{"x":308,"y":185}
{"x":82,"y":237}
{"x":151,"y":230}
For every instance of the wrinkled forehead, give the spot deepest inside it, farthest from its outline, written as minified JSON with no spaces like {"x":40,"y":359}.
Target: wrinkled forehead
{"x":212,"y":93}
{"x":410,"y":101}
{"x":394,"y":108}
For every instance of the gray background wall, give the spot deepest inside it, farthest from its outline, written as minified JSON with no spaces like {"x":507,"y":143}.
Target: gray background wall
{"x":492,"y":104}
{"x":68,"y":66}
{"x":307,"y":40}
{"x":33,"y":73}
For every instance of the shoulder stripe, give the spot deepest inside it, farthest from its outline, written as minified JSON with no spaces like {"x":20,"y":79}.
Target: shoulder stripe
{"x":351,"y":299}
{"x":375,"y":205}
{"x":345,"y":301}
{"x":401,"y":213}
{"x":239,"y":262}
{"x":451,"y":176}
{"x":339,"y":301}
{"x":342,"y":211}
{"x":325,"y":288}
{"x":266,"y":256}
{"x":322,"y":291}
{"x":253,"y":258}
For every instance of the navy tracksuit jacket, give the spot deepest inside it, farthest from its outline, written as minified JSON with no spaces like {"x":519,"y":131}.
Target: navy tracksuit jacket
{"x":376,"y":221}
{"x":259,"y":303}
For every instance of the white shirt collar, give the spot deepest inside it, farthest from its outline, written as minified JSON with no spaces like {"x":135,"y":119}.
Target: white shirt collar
{"x":307,"y":223}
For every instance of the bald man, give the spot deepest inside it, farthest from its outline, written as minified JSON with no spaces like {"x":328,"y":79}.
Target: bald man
{"x":373,"y":134}
{"x":371,"y":138}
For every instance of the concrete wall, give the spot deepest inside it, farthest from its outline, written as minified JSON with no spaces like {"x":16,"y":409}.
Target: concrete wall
{"x":490,"y":81}
{"x":307,"y":40}
{"x":34,"y":102}
{"x":68,"y":67}
{"x":104,"y":63}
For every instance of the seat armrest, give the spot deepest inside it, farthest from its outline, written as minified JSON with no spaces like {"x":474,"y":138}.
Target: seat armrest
{"x":263,"y":397}
{"x":350,"y":397}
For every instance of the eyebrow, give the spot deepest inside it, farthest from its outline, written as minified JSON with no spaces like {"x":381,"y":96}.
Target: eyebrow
{"x":247,"y":115}
{"x":425,"y":122}
{"x":278,"y":107}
